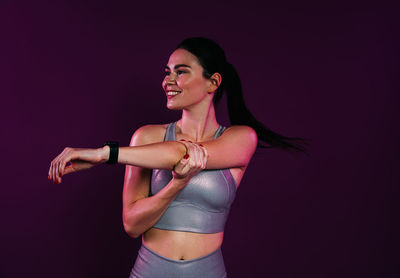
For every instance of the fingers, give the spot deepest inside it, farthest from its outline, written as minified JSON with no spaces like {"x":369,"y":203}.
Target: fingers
{"x":182,"y":167}
{"x":55,"y":176}
{"x":189,"y":147}
{"x":68,"y":169}
{"x":198,"y":154}
{"x":191,"y":152}
{"x":205,"y":155}
{"x":57,"y":166}
{"x":54,"y":171}
{"x":194,"y":160}
{"x":199,"y":157}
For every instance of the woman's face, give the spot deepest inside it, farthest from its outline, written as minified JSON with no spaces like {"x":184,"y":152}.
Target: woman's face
{"x":184,"y":83}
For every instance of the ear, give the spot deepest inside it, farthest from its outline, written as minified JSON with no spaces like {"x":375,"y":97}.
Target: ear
{"x":215,"y":81}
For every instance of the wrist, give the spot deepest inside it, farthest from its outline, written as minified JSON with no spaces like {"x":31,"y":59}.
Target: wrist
{"x":104,"y":153}
{"x":180,"y":182}
{"x":111,"y":153}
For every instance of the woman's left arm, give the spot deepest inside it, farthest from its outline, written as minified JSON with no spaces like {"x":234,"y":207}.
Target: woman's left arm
{"x":164,"y":155}
{"x":234,"y":148}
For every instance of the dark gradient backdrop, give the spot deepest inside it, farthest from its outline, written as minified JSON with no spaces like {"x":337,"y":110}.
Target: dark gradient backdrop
{"x":78,"y":73}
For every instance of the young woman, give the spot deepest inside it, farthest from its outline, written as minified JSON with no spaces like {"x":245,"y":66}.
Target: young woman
{"x":181,"y":177}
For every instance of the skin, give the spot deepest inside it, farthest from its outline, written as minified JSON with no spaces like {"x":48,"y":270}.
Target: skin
{"x":233,"y":150}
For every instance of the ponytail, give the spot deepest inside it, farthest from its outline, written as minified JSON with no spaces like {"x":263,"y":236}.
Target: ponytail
{"x":239,"y":114}
{"x":212,"y":58}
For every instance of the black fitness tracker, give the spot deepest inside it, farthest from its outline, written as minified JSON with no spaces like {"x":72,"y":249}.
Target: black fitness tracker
{"x":114,"y":147}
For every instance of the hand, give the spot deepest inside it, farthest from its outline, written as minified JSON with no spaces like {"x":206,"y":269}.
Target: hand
{"x":193,"y":162}
{"x":78,"y":159}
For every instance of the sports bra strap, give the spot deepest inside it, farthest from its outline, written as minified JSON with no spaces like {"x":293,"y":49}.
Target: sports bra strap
{"x":170,"y":133}
{"x":219,"y":131}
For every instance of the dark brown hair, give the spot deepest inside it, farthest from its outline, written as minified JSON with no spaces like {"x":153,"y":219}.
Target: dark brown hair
{"x":212,"y":58}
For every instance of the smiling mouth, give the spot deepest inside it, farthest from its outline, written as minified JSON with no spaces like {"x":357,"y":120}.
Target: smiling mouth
{"x":173,"y":93}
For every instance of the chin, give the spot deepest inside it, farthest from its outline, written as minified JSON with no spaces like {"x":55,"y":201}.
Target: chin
{"x":173,"y":107}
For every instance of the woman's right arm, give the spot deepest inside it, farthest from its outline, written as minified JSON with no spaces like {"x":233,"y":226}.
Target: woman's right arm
{"x":141,"y":212}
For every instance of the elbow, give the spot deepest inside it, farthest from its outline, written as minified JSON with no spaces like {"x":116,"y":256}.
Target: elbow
{"x":130,"y":226}
{"x":131,"y":231}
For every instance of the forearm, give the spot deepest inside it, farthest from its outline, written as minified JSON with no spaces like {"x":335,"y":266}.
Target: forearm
{"x":144,"y":213}
{"x":164,"y":155}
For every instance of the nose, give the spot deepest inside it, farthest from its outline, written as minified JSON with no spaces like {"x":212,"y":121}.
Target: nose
{"x":171,"y":78}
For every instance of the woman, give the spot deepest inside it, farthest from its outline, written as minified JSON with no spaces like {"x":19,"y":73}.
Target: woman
{"x":182,"y":205}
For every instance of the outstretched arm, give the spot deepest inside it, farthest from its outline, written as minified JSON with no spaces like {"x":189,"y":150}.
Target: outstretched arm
{"x":234,"y":148}
{"x":164,"y":155}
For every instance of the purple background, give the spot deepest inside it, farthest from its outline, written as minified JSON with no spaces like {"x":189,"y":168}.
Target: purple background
{"x":78,"y":73}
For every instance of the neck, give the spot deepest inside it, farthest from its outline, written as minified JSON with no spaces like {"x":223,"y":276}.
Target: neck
{"x":198,"y":124}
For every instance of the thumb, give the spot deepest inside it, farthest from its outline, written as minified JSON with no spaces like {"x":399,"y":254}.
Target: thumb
{"x":181,"y":164}
{"x":68,"y":169}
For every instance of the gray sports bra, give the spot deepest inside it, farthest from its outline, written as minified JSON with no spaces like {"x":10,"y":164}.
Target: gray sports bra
{"x":202,"y":206}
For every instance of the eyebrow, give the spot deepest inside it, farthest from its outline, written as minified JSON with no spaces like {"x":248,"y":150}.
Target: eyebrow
{"x":179,"y":66}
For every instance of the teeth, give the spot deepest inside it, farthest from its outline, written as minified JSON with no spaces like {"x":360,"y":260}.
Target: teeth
{"x":173,"y":93}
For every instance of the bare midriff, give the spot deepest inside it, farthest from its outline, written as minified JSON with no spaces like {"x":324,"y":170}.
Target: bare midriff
{"x":179,"y":245}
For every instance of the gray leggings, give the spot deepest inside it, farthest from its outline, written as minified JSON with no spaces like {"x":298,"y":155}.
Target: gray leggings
{"x":149,"y":264}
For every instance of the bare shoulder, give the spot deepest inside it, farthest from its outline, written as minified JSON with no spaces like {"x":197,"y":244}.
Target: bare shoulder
{"x":242,"y":133}
{"x":233,"y":149}
{"x":148,"y":134}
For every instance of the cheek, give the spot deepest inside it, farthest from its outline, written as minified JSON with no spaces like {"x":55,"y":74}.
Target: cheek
{"x":191,"y":84}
